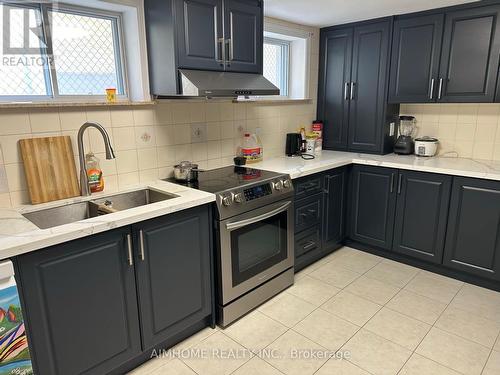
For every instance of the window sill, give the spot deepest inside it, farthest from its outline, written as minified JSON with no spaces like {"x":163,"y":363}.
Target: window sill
{"x":7,"y":105}
{"x":274,"y":100}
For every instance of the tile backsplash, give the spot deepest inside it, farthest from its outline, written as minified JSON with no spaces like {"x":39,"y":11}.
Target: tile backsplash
{"x":149,"y":140}
{"x":464,"y":130}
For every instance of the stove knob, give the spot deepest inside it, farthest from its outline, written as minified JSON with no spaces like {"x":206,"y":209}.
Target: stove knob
{"x":287,"y":184}
{"x":227,"y":200}
{"x":239,"y":198}
{"x":278,"y":185}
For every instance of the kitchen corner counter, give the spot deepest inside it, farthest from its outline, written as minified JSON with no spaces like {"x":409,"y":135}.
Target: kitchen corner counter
{"x":297,"y":167}
{"x":18,"y":235}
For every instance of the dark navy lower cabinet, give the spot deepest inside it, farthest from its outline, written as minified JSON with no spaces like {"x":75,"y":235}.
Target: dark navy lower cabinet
{"x":473,"y":235}
{"x":334,"y":208}
{"x":373,"y":204}
{"x":421,"y":214}
{"x":100,"y":304}
{"x":173,"y":273}
{"x":81,"y":305}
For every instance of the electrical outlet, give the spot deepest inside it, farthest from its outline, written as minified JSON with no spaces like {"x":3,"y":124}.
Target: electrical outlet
{"x":198,"y":133}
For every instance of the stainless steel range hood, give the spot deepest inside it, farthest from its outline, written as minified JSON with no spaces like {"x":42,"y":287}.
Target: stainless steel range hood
{"x":203,"y":83}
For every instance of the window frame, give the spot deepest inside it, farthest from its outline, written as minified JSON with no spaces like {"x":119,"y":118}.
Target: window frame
{"x":46,"y":52}
{"x":285,"y":46}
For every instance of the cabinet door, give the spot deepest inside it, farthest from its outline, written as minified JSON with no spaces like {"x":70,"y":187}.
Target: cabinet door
{"x":469,"y":60}
{"x":334,"y":208}
{"x":416,"y":49}
{"x":244,"y":33}
{"x":308,"y":212}
{"x":373,"y":205}
{"x":421,"y":215}
{"x":473,"y":235}
{"x":199,"y":27}
{"x":173,"y":273}
{"x":369,"y":80}
{"x":335,"y":76}
{"x":81,"y":305}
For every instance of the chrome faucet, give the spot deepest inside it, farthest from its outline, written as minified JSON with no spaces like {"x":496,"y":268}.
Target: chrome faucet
{"x":110,"y":154}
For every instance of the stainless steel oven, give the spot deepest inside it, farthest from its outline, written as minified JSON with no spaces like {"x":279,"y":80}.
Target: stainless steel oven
{"x":255,"y":247}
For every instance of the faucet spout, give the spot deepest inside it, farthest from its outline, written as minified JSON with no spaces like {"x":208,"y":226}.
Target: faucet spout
{"x":110,"y":154}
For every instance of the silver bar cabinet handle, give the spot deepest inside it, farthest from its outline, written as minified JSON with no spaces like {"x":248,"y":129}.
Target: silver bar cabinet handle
{"x":346,"y":91}
{"x":392,"y":183}
{"x":130,"y":258}
{"x":440,"y":90}
{"x":352,"y":90}
{"x":400,"y":183}
{"x":431,"y":94}
{"x":141,"y":244}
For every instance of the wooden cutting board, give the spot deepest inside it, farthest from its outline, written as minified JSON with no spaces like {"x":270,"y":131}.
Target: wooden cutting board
{"x":50,"y":169}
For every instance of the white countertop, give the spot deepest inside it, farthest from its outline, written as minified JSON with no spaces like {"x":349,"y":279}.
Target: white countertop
{"x":297,"y":167}
{"x":19,"y":236}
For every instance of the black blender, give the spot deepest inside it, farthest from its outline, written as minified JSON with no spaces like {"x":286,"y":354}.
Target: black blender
{"x":405,"y":145}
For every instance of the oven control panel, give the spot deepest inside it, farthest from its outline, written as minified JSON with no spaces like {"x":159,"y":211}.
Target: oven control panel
{"x":256,"y":192}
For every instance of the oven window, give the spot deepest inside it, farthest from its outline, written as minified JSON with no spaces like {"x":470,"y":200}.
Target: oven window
{"x":257,"y":247}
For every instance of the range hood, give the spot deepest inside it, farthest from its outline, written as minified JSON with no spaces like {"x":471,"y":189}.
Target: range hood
{"x":203,"y":83}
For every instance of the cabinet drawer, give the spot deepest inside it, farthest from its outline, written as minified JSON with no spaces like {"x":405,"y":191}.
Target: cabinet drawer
{"x":307,"y":241}
{"x":308,"y":212}
{"x":306,"y":186}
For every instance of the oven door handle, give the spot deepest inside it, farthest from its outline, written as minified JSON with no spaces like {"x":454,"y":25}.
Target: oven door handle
{"x":256,"y":219}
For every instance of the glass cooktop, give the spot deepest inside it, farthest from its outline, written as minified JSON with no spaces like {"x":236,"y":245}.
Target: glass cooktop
{"x":218,"y":180}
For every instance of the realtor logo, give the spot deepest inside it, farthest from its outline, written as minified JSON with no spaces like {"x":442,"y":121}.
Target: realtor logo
{"x":19,"y":38}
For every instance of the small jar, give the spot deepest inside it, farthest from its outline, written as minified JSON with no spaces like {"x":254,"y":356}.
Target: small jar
{"x":311,"y":144}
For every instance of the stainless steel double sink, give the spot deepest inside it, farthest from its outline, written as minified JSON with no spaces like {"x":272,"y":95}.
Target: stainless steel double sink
{"x":55,"y":216}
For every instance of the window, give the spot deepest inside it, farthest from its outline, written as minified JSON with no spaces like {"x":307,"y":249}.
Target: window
{"x":276,"y":63}
{"x":56,"y":52}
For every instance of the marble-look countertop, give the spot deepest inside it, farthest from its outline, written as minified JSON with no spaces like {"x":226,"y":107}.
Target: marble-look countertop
{"x":19,"y":236}
{"x":297,"y":167}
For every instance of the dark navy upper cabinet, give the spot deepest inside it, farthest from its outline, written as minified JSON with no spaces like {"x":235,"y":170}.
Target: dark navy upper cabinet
{"x":470,"y":55}
{"x":373,"y":204}
{"x":416,"y":51}
{"x":334,"y":86}
{"x":473,"y":235}
{"x":81,"y":305}
{"x":421,"y":215}
{"x":243,"y":30}
{"x":173,"y":273}
{"x":353,"y":86}
{"x":199,"y":34}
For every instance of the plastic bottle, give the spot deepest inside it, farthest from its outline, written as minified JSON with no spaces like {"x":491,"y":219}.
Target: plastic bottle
{"x":94,"y":173}
{"x":251,"y":149}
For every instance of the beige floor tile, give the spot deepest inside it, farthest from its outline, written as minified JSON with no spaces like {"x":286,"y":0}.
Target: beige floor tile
{"x":357,"y":261}
{"x":220,"y":355}
{"x":313,"y":290}
{"x":175,"y":366}
{"x":373,"y":290}
{"x":469,"y":326}
{"x":340,"y":367}
{"x":255,"y":331}
{"x":497,"y":345}
{"x":195,"y":339}
{"x":350,"y":307}
{"x":398,"y":328}
{"x":418,"y":365}
{"x":397,"y":274}
{"x":493,"y":364}
{"x":454,"y":352}
{"x":416,"y":306}
{"x":326,"y":329}
{"x":323,"y":261}
{"x":292,"y":354}
{"x":482,"y":302}
{"x":257,"y":366}
{"x":376,"y":354}
{"x":433,"y":286}
{"x":150,"y":366}
{"x":288,"y":309}
{"x":333,"y":274}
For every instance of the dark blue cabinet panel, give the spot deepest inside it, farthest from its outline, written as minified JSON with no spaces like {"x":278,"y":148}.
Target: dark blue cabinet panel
{"x":80,"y":305}
{"x":243,"y":29}
{"x":173,"y":273}
{"x":334,"y":208}
{"x":416,"y":49}
{"x":421,"y":215}
{"x":473,"y":235}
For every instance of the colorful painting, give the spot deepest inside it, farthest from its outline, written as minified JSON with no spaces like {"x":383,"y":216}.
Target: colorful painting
{"x":14,"y":351}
